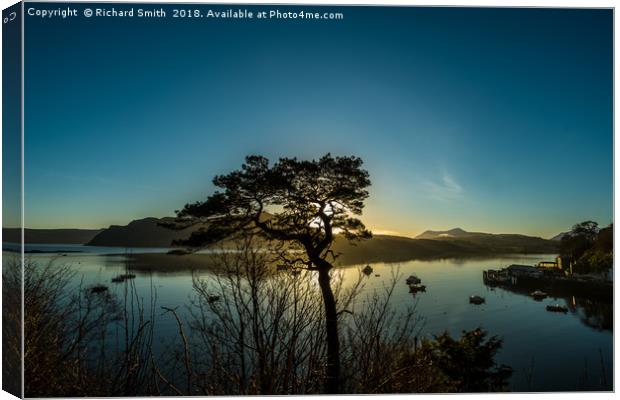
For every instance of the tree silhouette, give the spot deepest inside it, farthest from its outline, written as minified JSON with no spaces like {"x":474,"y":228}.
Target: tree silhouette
{"x":301,"y":203}
{"x":578,"y":240}
{"x":586,"y":229}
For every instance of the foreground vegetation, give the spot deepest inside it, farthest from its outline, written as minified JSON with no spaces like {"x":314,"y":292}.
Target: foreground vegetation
{"x":245,"y":331}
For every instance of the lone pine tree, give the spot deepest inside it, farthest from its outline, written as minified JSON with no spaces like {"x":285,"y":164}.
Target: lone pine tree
{"x":303,"y":204}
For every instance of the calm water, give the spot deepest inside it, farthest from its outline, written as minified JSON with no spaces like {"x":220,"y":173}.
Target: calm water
{"x":560,"y":350}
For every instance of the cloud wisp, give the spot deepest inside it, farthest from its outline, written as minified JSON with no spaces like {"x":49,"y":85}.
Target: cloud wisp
{"x":446,"y":189}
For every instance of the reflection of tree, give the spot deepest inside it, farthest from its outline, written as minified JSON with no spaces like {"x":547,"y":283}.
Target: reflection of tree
{"x":459,"y":262}
{"x":593,"y":311}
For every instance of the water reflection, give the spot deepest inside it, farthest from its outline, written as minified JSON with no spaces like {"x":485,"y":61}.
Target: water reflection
{"x":595,"y":314}
{"x":527,"y":329}
{"x":594,"y":310}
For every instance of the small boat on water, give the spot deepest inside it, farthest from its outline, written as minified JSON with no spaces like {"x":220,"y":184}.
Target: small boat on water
{"x":538,"y":295}
{"x":413,"y":280}
{"x":367,"y":270}
{"x":557,"y":308}
{"x":476,"y":299}
{"x":98,"y":289}
{"x":122,"y":278}
{"x":417,"y":287}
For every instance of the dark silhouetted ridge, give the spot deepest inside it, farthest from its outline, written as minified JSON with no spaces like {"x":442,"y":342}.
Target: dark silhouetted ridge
{"x":146,"y":232}
{"x":49,"y":236}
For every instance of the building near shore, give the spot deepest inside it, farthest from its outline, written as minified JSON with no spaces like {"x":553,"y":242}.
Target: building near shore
{"x":551,"y":264}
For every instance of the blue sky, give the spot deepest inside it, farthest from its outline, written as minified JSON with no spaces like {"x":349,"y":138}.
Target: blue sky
{"x":495,"y":120}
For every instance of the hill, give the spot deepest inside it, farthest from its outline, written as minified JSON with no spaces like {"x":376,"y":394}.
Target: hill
{"x":452,"y":233}
{"x":140,"y":233}
{"x":559,"y":236}
{"x":384,"y":248}
{"x":381,"y":248}
{"x":50,"y":236}
{"x":492,"y":242}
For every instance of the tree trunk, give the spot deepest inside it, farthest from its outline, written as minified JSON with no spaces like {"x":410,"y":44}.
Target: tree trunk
{"x":332,"y":381}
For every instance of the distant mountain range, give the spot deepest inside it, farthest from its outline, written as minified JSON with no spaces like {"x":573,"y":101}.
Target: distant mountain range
{"x":458,"y":233}
{"x":384,"y":248}
{"x":452,"y":233}
{"x":461,"y":241}
{"x":456,"y":242}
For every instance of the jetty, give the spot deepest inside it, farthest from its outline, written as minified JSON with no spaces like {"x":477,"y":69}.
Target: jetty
{"x":538,"y":281}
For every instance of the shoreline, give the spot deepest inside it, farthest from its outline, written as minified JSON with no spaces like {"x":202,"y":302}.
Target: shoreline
{"x":163,"y":262}
{"x":576,"y":284}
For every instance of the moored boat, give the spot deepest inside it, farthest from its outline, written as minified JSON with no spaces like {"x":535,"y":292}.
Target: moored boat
{"x":476,"y":299}
{"x":538,"y":295}
{"x":417,"y":287}
{"x":413,"y":280}
{"x":122,"y":278}
{"x":98,"y":289}
{"x":557,"y":308}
